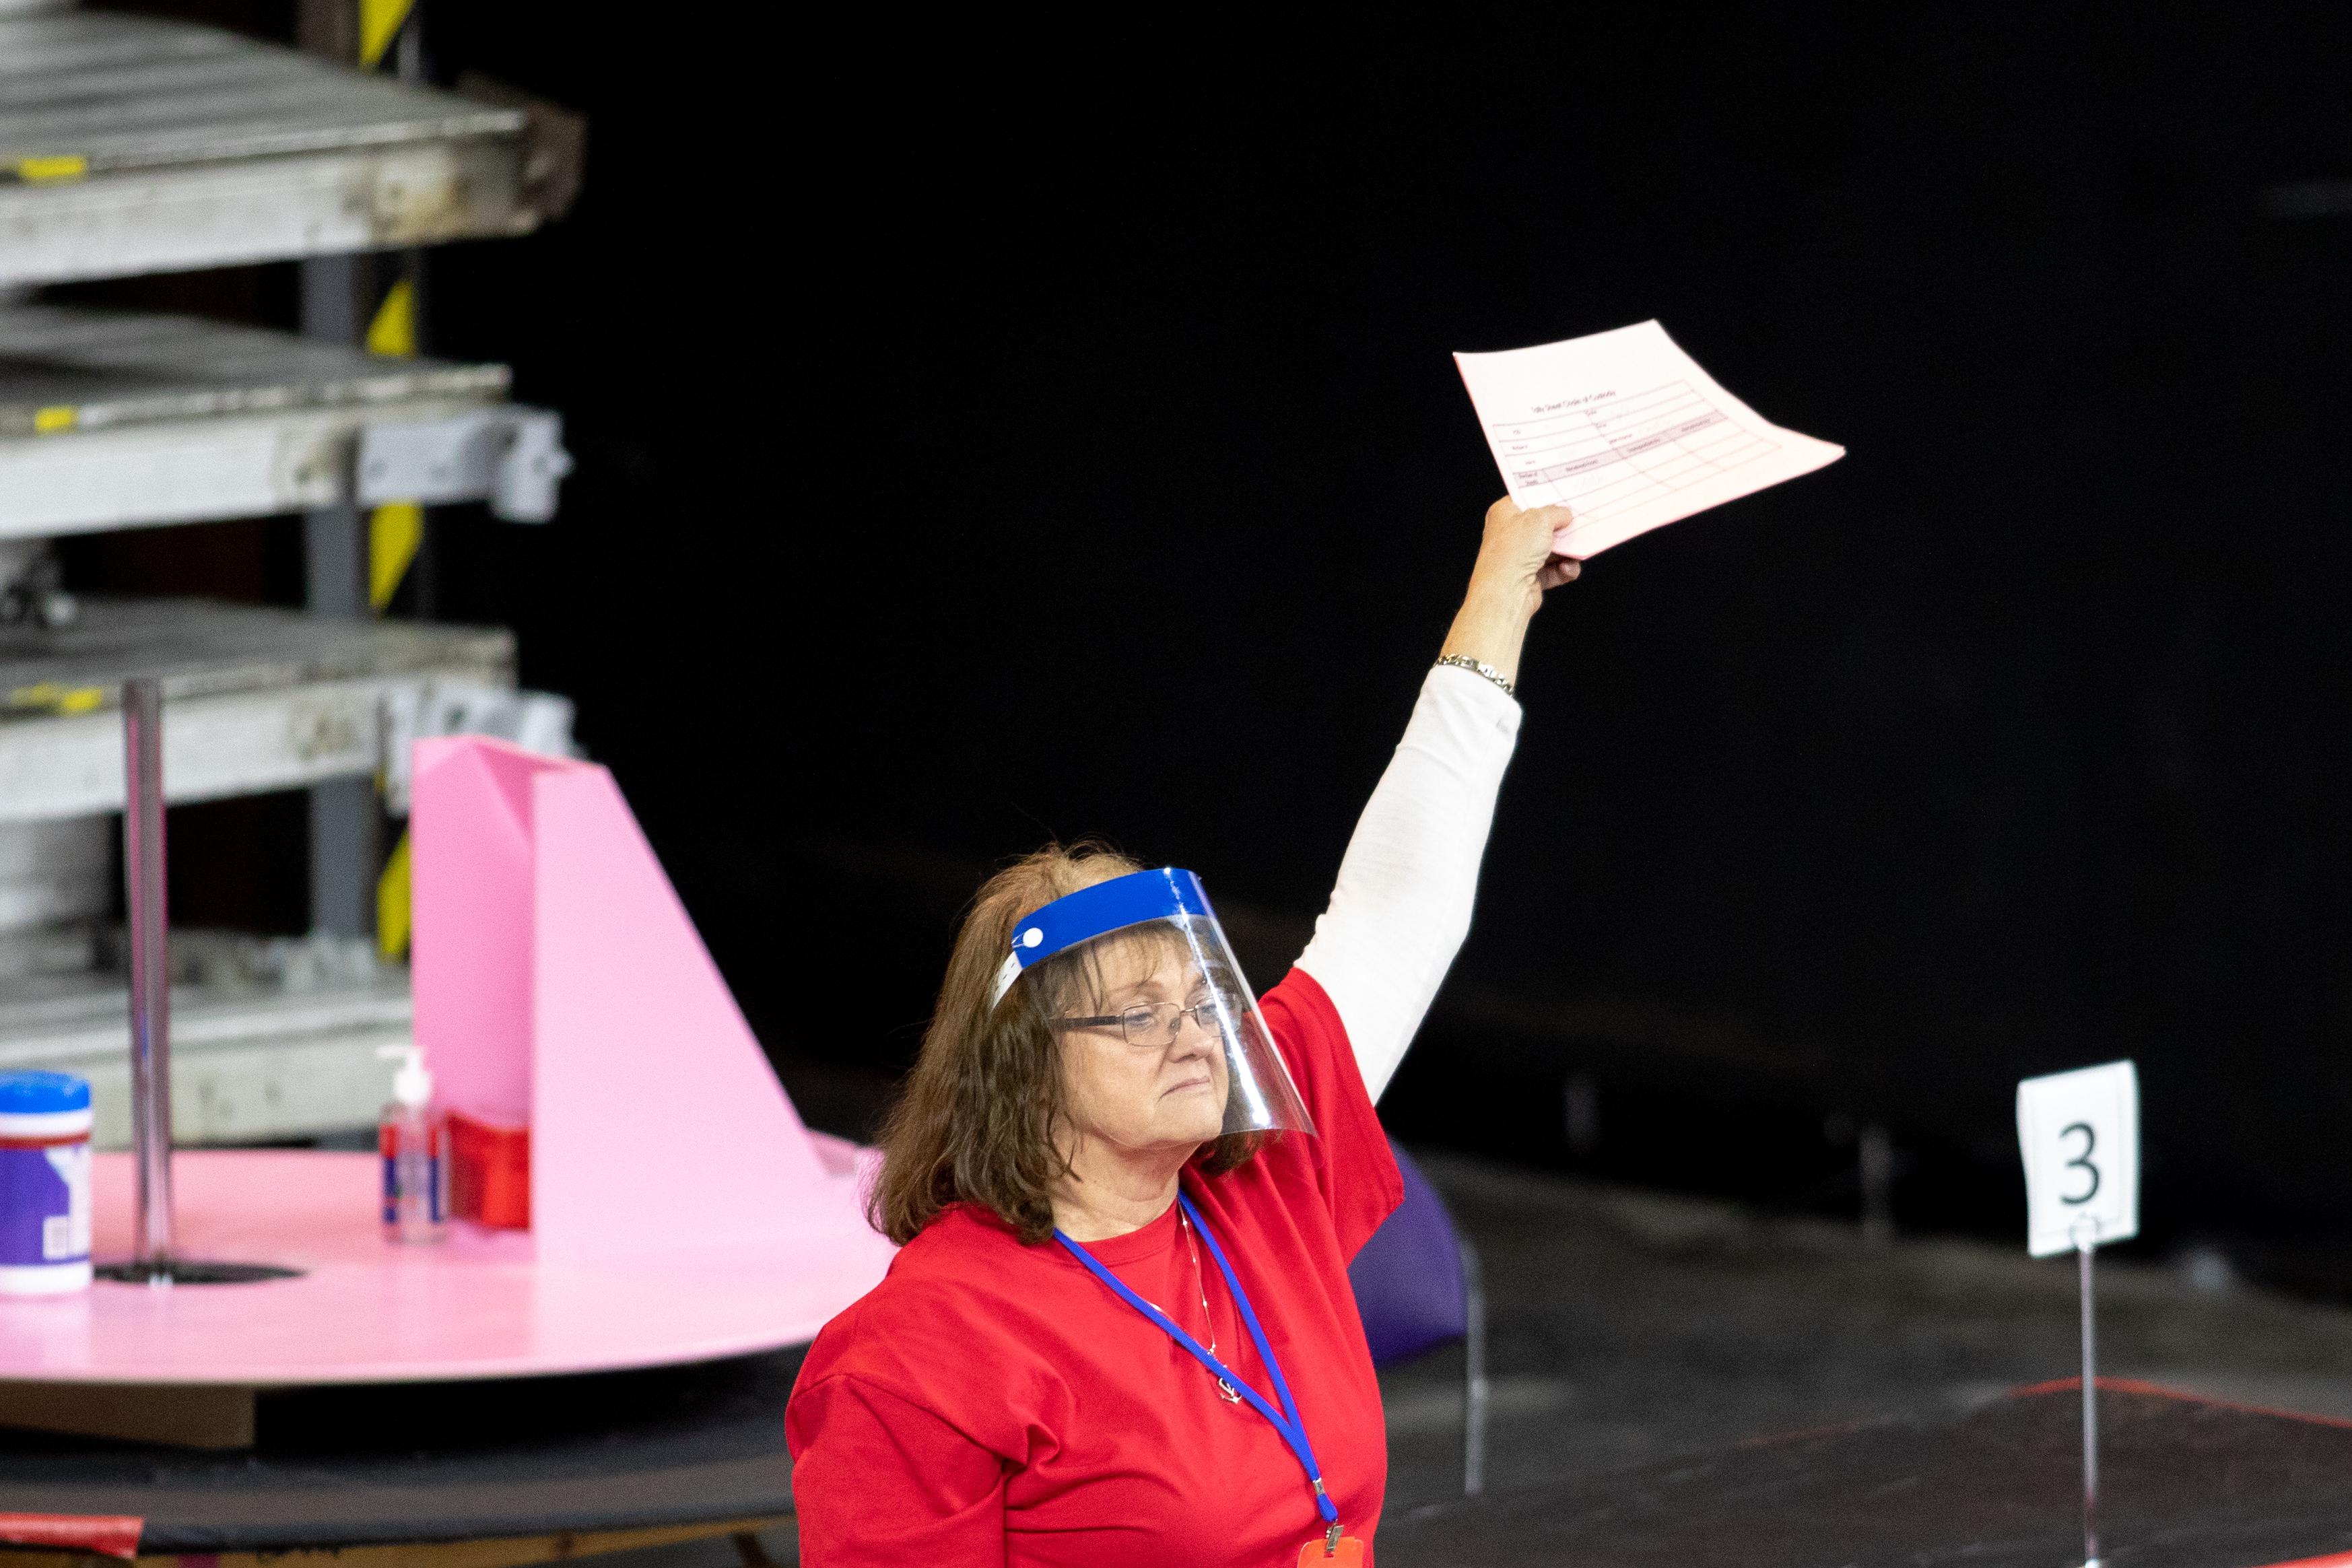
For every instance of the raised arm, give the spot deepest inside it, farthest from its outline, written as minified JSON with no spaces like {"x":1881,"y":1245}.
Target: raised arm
{"x":1401,"y":905}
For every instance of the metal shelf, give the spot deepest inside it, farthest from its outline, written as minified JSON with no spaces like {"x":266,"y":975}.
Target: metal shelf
{"x":130,"y":146}
{"x":256,"y":699}
{"x":119,"y":419}
{"x":249,"y":1063}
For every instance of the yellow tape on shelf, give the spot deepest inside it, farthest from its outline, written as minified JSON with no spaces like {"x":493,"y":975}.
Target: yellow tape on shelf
{"x":396,"y":528}
{"x":380,"y":24}
{"x":52,"y":171}
{"x":50,"y":697}
{"x":394,"y":330}
{"x":391,"y":904}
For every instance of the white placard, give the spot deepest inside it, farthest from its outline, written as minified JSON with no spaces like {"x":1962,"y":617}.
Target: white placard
{"x":2079,"y":1135}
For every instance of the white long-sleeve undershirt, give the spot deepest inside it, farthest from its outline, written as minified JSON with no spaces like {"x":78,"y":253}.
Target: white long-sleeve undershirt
{"x":1406,"y":884}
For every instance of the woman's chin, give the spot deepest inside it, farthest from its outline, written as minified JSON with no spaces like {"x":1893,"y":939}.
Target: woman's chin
{"x":1193,"y":1124}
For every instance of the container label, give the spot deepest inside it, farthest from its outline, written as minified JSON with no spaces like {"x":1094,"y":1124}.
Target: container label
{"x":43,"y":1206}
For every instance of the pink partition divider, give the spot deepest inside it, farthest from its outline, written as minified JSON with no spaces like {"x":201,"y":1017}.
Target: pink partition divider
{"x":555,"y":969}
{"x":471,"y":889}
{"x":656,"y":1117}
{"x":681,"y":1210}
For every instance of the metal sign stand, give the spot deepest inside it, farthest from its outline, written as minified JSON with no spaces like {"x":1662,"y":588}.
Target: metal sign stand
{"x":2078,"y":1135}
{"x":2083,"y":1248}
{"x":150,"y":974}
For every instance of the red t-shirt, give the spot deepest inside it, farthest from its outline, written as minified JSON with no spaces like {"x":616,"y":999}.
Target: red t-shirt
{"x":990,"y":1402}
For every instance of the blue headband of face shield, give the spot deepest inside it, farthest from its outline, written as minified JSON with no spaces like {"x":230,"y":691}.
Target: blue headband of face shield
{"x":1092,"y":912}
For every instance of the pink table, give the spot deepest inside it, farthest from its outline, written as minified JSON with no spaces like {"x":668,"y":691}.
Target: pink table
{"x":368,"y":1311}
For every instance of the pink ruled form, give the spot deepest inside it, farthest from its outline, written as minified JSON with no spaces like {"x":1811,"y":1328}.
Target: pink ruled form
{"x":1626,"y":430}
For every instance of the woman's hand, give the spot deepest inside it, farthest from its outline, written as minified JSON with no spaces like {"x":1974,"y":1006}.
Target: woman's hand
{"x":1516,"y":567}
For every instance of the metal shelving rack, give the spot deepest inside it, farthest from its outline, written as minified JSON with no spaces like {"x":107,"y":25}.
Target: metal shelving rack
{"x":116,"y":419}
{"x":130,"y":146}
{"x":137,"y":146}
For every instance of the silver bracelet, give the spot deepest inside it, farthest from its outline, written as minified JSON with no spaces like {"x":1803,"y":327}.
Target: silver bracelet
{"x":1479,"y":667}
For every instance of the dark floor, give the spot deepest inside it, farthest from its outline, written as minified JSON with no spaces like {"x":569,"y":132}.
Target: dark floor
{"x":1626,"y":1327}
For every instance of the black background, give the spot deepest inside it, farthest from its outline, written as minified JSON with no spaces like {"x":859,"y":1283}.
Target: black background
{"x":989,"y":438}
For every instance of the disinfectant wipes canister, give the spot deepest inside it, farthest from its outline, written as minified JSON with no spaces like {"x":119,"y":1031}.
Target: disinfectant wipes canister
{"x":44,"y":1183}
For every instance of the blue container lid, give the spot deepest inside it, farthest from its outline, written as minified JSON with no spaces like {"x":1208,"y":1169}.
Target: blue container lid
{"x":37,"y":1093}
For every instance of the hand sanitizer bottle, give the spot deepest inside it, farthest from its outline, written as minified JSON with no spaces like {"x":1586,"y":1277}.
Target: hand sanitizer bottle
{"x":414,"y":1139}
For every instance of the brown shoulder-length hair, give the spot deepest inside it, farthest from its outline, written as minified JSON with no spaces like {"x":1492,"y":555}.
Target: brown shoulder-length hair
{"x":976,"y":1121}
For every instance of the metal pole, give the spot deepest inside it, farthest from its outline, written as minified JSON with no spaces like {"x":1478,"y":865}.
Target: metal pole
{"x":1474,"y":1371}
{"x":2090,"y":1417}
{"x":151,"y":971}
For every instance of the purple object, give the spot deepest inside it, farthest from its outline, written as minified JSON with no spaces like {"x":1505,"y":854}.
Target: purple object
{"x":1417,"y":1287}
{"x":1408,"y":1278}
{"x":44,"y":1183}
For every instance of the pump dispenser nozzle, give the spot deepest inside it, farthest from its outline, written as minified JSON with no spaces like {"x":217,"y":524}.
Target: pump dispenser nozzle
{"x":412,"y":1086}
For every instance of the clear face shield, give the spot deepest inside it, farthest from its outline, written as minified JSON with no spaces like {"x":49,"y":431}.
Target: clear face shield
{"x":1136,"y":973}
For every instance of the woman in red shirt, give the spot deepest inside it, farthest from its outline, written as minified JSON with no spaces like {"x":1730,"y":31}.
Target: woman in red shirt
{"x":1119,"y":1330}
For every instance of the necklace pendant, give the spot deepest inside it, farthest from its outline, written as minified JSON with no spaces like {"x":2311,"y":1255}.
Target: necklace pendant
{"x":1226,"y":1391}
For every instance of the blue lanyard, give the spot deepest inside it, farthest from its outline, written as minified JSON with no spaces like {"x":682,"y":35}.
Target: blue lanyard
{"x":1286,"y":1420}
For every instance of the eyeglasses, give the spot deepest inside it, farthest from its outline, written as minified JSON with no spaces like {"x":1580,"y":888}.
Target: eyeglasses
{"x":1149,"y":1023}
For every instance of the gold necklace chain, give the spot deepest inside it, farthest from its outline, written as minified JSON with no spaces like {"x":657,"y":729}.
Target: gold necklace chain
{"x":1201,"y":1281}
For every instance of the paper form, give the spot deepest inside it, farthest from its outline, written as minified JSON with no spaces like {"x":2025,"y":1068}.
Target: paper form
{"x":1627,"y":432}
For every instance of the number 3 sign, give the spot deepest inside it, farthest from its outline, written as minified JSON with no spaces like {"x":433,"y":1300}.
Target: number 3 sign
{"x":2079,"y":1133}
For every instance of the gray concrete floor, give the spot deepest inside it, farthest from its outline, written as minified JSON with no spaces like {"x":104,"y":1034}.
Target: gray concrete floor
{"x":1627,"y":1326}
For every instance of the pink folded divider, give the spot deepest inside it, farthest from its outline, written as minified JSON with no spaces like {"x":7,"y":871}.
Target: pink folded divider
{"x":559,"y":979}
{"x":680,"y":1210}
